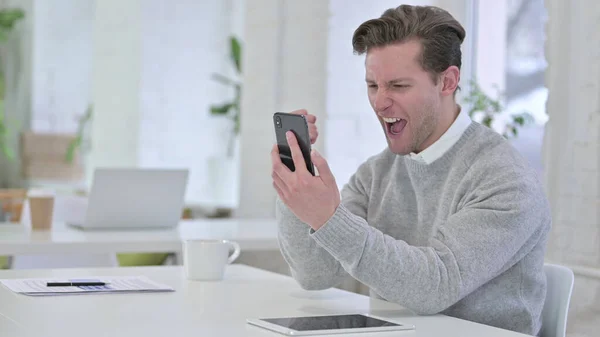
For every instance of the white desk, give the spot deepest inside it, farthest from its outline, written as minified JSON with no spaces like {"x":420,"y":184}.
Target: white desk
{"x":200,"y":308}
{"x":251,"y":234}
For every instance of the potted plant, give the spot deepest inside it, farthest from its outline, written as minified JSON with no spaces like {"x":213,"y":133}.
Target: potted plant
{"x":223,"y":169}
{"x":485,"y":110}
{"x":8,"y":18}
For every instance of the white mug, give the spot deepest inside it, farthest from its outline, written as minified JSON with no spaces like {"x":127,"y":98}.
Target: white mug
{"x":206,"y":259}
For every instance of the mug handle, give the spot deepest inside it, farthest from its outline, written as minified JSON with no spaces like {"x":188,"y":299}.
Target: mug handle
{"x":236,"y":252}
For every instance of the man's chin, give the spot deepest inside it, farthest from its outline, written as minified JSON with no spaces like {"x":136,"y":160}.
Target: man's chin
{"x":397,"y":146}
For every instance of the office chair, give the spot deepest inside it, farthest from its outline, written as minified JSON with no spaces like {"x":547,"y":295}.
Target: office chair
{"x":560,"y":281}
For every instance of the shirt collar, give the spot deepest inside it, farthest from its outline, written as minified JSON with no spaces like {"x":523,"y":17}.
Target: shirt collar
{"x":446,"y":141}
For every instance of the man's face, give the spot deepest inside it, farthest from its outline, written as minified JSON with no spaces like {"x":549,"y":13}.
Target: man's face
{"x":403,"y":95}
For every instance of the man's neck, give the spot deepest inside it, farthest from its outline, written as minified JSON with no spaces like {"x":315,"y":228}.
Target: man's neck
{"x":447,"y":117}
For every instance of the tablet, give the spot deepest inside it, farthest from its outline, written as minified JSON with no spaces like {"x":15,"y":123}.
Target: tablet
{"x":318,"y":325}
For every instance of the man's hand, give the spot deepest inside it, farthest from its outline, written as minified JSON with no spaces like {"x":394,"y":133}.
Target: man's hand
{"x":311,"y":121}
{"x":313,"y":199}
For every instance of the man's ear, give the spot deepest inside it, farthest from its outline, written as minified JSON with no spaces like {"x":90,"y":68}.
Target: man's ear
{"x":450,"y":79}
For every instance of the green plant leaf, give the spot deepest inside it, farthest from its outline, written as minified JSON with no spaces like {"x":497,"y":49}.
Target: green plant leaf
{"x":496,"y":106}
{"x":8,"y":17}
{"x":73,"y":145}
{"x":8,"y":152}
{"x":520,"y":120}
{"x":4,"y":134}
{"x":236,"y":126}
{"x":222,"y":109}
{"x":487,"y":121}
{"x":236,"y":53}
{"x":78,"y":140}
{"x":224,"y":79}
{"x":528,"y":117}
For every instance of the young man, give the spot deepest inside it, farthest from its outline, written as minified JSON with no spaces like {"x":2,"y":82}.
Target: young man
{"x":448,"y":219}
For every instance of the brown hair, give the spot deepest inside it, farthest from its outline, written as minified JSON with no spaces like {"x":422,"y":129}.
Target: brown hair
{"x":439,"y":33}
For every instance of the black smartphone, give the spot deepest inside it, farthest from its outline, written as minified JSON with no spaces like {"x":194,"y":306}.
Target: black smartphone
{"x":285,"y":122}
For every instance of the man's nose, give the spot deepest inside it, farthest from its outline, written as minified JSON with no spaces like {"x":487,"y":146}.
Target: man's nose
{"x":382,"y":101}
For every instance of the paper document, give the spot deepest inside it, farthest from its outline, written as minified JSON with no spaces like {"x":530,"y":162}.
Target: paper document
{"x":38,"y":286}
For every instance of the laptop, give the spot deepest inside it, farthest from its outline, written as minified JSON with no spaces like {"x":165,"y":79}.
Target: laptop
{"x":135,"y":198}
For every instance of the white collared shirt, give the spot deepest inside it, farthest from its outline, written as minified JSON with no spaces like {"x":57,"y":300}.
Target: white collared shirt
{"x":446,"y":141}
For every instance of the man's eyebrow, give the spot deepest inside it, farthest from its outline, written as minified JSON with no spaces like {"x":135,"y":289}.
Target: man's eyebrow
{"x":396,"y":80}
{"x":400,"y":79}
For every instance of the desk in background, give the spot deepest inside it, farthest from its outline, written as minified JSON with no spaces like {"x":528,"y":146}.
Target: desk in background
{"x":67,"y":247}
{"x":251,"y":234}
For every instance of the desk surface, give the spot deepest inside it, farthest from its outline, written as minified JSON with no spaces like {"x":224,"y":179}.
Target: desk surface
{"x":200,"y":308}
{"x":251,"y":234}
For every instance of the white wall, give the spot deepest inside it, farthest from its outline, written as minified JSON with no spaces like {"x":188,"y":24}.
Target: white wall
{"x":153,"y":87}
{"x":285,"y":64}
{"x":62,"y":63}
{"x":303,"y":59}
{"x":572,"y":152}
{"x":115,"y":84}
{"x":261,"y":73}
{"x":183,"y":43}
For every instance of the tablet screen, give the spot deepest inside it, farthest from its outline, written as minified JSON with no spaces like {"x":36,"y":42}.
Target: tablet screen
{"x":329,"y":322}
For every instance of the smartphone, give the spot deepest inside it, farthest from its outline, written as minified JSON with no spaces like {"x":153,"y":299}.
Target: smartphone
{"x":285,"y":122}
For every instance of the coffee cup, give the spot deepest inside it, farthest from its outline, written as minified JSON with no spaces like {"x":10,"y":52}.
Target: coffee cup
{"x":41,"y":209}
{"x":205,"y":260}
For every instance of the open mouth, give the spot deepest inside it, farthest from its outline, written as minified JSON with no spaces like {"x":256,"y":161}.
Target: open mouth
{"x":394,"y":126}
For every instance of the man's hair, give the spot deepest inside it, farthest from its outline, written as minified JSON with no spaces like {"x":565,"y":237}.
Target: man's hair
{"x":439,"y":33}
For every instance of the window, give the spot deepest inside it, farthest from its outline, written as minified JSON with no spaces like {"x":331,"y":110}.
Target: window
{"x":509,"y":55}
{"x":525,"y":67}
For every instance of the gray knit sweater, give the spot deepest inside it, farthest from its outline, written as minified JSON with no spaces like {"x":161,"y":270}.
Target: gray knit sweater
{"x":463,"y":236}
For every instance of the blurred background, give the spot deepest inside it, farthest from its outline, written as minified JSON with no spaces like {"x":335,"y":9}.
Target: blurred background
{"x":193,"y":84}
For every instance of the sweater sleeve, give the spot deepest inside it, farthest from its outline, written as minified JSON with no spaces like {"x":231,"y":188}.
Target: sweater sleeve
{"x":491,"y":233}
{"x":310,"y":264}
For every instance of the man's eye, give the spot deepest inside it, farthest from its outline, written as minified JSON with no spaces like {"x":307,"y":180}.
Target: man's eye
{"x":400,"y":86}
{"x":372,"y":85}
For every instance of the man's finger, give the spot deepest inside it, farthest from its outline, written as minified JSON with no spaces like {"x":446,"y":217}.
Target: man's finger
{"x":323,"y":167}
{"x":300,"y":112}
{"x":278,"y":166}
{"x":311,"y":118}
{"x":312,"y":130}
{"x":299,"y":162}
